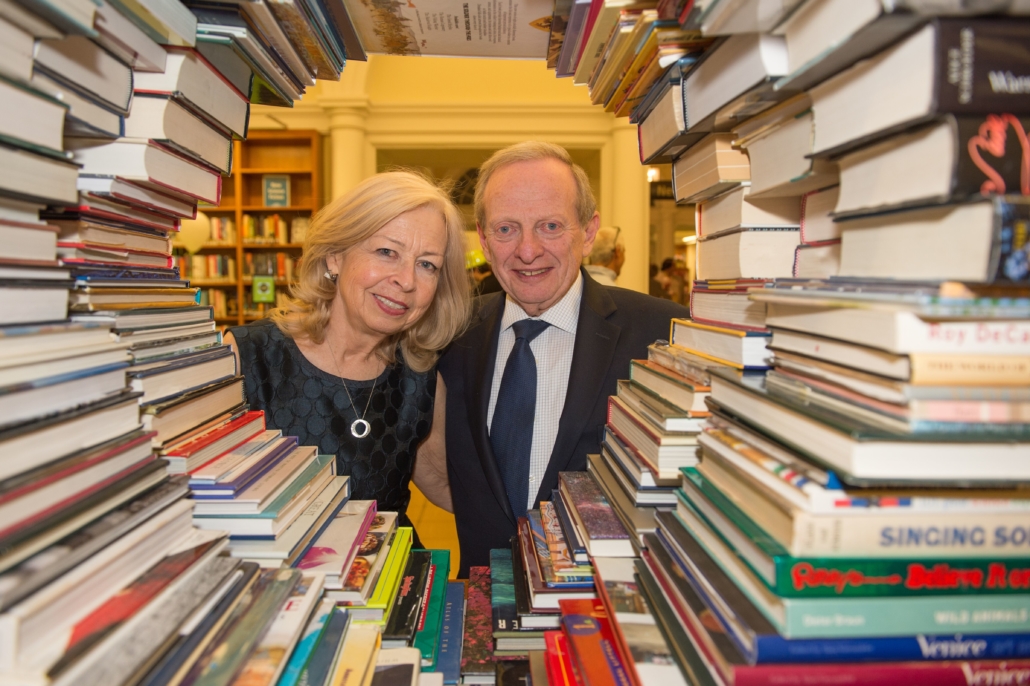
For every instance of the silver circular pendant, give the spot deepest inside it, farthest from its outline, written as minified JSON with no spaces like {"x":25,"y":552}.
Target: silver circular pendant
{"x":360,"y":428}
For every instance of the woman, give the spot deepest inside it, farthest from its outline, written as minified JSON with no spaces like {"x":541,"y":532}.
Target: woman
{"x":348,"y":364}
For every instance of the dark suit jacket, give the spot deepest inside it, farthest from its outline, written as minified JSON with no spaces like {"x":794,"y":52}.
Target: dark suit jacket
{"x":615,"y":326}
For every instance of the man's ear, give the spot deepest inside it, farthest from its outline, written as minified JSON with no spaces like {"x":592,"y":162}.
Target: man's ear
{"x":484,"y":245}
{"x":590,"y":232}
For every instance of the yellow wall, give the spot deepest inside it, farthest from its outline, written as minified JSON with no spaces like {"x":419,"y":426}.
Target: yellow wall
{"x":418,"y":103}
{"x":394,"y":102}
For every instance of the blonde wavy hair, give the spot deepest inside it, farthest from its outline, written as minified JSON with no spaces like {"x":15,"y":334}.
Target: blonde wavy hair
{"x":351,"y":219}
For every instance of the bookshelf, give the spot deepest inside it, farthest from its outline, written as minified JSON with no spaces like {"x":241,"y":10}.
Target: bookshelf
{"x":249,"y":236}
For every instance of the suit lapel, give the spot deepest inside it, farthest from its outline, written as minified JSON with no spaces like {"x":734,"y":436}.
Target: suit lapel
{"x":592,"y":356}
{"x":479,"y":375}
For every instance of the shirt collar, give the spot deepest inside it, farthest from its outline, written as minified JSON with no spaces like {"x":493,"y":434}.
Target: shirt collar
{"x":563,"y":315}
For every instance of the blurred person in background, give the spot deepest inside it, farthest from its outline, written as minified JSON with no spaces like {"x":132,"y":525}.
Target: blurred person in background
{"x":607,"y":256}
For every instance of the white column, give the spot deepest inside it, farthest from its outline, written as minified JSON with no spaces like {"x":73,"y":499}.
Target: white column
{"x":629,"y":208}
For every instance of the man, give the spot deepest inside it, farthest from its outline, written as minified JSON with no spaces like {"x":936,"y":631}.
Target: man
{"x":606,"y":258}
{"x":527,"y":385}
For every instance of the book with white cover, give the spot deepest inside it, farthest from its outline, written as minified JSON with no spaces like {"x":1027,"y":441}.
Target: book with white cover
{"x":27,"y":629}
{"x":333,"y":552}
{"x":32,"y":177}
{"x":84,"y":116}
{"x":736,"y":209}
{"x":747,"y":254}
{"x":127,"y":41}
{"x":163,"y":119}
{"x":192,"y":78}
{"x":817,"y":261}
{"x":780,"y":166}
{"x":743,"y":63}
{"x":817,"y":224}
{"x":147,"y":163}
{"x":81,"y":64}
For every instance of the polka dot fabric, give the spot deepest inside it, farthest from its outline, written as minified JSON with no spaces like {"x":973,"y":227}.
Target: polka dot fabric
{"x":302,"y":400}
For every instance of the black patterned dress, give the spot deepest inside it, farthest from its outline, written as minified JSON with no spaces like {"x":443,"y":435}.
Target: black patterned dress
{"x":302,"y":400}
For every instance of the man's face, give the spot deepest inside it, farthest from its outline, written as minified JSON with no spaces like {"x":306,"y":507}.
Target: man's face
{"x":534,"y":201}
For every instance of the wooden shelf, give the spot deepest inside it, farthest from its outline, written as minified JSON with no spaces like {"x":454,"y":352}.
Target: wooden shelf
{"x":207,"y":246}
{"x":212,"y":283}
{"x":291,"y":208}
{"x":249,"y":281}
{"x":293,"y":153}
{"x":274,"y":170}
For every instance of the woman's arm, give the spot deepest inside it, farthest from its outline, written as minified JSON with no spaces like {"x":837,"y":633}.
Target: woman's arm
{"x":430,"y":473}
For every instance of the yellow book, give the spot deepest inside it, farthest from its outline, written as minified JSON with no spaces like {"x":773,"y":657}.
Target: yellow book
{"x":358,"y":656}
{"x":377,"y":609}
{"x":614,"y":70}
{"x":629,"y":77}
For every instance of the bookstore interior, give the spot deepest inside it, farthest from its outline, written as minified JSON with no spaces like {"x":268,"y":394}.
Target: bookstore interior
{"x":819,"y":473}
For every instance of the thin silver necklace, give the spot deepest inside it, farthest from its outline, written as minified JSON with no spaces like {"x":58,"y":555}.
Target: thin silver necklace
{"x":359,"y":428}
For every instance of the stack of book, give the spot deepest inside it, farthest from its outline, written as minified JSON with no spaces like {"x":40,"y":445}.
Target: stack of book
{"x":854,"y":514}
{"x":653,"y":425}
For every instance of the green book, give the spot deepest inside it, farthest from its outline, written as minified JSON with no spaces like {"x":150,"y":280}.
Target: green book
{"x":428,"y":633}
{"x":844,"y":577}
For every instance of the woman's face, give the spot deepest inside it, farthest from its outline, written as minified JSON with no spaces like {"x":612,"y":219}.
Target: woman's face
{"x":387,"y":282}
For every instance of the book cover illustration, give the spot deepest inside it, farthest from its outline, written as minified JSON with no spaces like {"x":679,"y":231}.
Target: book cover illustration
{"x":561,"y":558}
{"x":330,"y":552}
{"x":94,"y":627}
{"x":373,"y":544}
{"x":403,"y":621}
{"x":599,"y":520}
{"x":488,"y":28}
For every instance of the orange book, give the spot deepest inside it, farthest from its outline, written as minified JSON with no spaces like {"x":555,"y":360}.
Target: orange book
{"x":592,"y":643}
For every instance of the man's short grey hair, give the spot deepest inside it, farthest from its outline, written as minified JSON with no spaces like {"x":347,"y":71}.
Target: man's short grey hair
{"x":606,"y":241}
{"x":586,"y":204}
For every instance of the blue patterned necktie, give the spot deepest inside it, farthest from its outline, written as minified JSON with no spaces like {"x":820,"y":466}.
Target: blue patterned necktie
{"x":511,"y":431}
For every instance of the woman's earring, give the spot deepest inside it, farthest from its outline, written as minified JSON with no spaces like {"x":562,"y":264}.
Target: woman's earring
{"x":329,"y":275}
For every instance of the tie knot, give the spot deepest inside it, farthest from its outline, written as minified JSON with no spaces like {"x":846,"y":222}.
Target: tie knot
{"x":529,"y":328}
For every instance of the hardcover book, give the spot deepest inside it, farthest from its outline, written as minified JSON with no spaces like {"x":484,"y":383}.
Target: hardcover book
{"x":502,"y":592}
{"x":604,"y":532}
{"x":402,"y":624}
{"x":590,"y":637}
{"x":448,"y":651}
{"x":430,"y":620}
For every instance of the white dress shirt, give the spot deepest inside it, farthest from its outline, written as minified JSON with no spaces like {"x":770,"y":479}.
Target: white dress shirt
{"x":602,"y":275}
{"x":553,"y":352}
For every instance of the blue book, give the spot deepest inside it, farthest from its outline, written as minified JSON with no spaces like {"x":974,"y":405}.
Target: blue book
{"x":306,"y":645}
{"x":502,"y":591}
{"x":448,"y":652}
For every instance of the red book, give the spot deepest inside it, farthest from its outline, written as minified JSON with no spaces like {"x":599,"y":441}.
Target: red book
{"x":212,"y":444}
{"x":595,"y":9}
{"x":592,"y":643}
{"x":560,"y":670}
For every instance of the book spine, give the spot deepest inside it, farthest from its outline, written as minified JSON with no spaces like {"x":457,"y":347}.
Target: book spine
{"x":592,"y":508}
{"x":969,"y":370}
{"x":502,"y":591}
{"x":992,"y":66}
{"x":559,"y":662}
{"x":405,"y":611}
{"x":919,"y":674}
{"x":586,"y":627}
{"x":899,"y":617}
{"x":924,"y":648}
{"x":448,"y":650}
